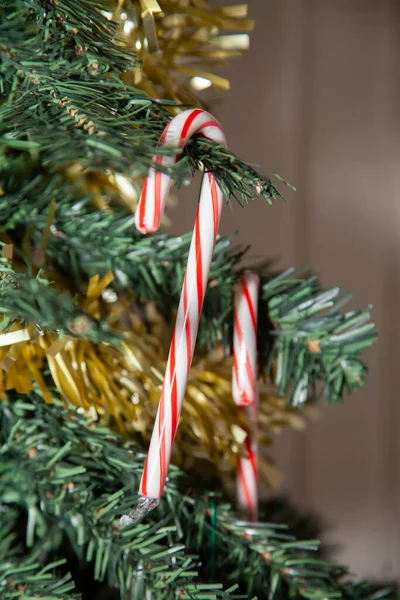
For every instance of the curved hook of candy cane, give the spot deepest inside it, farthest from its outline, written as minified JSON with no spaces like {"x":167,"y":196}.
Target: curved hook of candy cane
{"x":244,"y":390}
{"x":156,"y":186}
{"x":148,"y":217}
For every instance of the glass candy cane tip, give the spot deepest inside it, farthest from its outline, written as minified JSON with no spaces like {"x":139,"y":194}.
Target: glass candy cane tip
{"x":142,"y":508}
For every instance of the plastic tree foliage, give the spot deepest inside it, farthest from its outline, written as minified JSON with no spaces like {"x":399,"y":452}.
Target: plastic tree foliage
{"x":66,"y":477}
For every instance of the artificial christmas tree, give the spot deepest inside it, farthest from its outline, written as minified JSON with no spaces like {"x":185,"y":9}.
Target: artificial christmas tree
{"x":87,"y":305}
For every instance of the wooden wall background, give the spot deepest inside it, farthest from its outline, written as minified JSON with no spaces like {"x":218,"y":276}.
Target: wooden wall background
{"x":317,"y":99}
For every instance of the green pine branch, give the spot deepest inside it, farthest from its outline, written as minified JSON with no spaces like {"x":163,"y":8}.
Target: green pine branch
{"x":24,"y":577}
{"x":62,"y":100}
{"x":314,"y":339}
{"x":74,"y":480}
{"x":32,"y":300}
{"x":304,"y":336}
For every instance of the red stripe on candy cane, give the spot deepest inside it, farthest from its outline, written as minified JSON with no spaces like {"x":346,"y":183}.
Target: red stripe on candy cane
{"x":249,"y":303}
{"x":161,"y":141}
{"x":161,"y":433}
{"x":174,"y":390}
{"x":209,"y":124}
{"x":214,"y":195}
{"x":144,"y":478}
{"x":142,"y":206}
{"x":250,"y":455}
{"x":157,"y":199}
{"x":185,"y":129}
{"x":187,"y":325}
{"x":199,"y":270}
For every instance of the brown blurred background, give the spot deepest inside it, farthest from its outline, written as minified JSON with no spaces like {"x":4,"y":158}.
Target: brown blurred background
{"x":317,"y":99}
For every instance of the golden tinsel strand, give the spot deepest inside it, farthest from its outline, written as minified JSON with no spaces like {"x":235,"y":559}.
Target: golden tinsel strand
{"x":179,"y":44}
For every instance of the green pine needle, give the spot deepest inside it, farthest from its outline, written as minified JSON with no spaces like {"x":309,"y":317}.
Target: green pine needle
{"x":68,"y":103}
{"x":28,"y":299}
{"x":78,"y":478}
{"x":23,"y":576}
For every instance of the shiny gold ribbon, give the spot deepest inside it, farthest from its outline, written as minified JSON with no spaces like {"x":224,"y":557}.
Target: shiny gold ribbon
{"x":149,"y":9}
{"x":180,"y":43}
{"x":14,"y":337}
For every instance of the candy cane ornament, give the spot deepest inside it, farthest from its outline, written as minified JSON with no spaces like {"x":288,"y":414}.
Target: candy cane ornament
{"x":148,"y":217}
{"x":244,"y":375}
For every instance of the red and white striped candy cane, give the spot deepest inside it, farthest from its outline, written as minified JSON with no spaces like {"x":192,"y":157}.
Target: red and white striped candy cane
{"x":244,"y":386}
{"x":148,"y":216}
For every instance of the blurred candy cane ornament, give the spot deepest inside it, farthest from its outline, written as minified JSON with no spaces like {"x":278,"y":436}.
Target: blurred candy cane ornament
{"x":148,"y":217}
{"x":244,"y":390}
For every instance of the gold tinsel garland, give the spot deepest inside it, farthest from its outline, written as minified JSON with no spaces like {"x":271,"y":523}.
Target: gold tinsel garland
{"x":179,"y":44}
{"x":122,"y":384}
